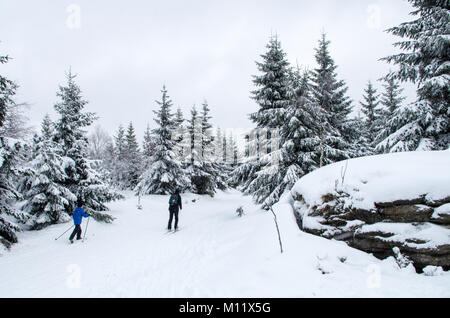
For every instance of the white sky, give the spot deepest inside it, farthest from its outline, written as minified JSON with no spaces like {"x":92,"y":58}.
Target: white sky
{"x":124,"y":51}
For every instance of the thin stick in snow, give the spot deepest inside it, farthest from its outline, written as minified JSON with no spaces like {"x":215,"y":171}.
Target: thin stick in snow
{"x":278,"y":230}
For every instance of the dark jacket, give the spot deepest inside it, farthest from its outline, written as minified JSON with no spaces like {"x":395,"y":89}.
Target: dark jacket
{"x":178,"y":206}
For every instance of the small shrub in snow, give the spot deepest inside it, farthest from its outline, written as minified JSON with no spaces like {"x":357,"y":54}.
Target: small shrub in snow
{"x":240,"y":212}
{"x":433,"y":271}
{"x":402,"y":260}
{"x":343,"y":259}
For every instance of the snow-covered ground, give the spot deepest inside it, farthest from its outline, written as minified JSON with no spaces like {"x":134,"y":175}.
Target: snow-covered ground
{"x":216,"y":254}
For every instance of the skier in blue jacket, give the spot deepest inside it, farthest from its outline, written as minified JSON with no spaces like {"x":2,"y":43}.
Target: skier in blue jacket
{"x":78,"y":215}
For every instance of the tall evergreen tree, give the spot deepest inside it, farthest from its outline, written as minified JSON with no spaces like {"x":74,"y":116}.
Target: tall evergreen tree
{"x":272,"y":93}
{"x":392,"y":97}
{"x":425,"y":61}
{"x":202,"y":171}
{"x":47,"y":128}
{"x":46,"y":198}
{"x":10,"y":217}
{"x":132,"y":157}
{"x":273,"y":96}
{"x":206,"y":132}
{"x":72,"y":121}
{"x":7,"y":91}
{"x":330,"y":94}
{"x":391,"y":100}
{"x":120,"y":142}
{"x":219,"y":146}
{"x":373,"y":115}
{"x":182,"y":143}
{"x":164,"y":174}
{"x":362,"y":144}
{"x":83,"y":181}
{"x":148,"y":146}
{"x":195,"y":137}
{"x":225,"y":149}
{"x":297,"y":152}
{"x":119,"y":164}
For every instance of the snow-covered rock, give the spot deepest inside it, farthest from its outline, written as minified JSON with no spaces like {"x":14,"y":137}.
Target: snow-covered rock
{"x":381,"y":202}
{"x":433,"y":271}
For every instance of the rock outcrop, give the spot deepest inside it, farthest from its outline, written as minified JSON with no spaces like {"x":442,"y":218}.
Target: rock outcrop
{"x":384,"y":202}
{"x":409,"y":225}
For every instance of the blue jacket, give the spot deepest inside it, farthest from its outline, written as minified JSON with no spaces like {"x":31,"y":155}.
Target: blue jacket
{"x":78,"y":215}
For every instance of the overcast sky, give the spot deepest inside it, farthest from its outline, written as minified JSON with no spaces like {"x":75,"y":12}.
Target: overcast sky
{"x":124,"y":51}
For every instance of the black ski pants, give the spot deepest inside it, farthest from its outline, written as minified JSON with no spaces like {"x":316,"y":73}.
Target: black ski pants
{"x":77,"y":232}
{"x":173,"y":212}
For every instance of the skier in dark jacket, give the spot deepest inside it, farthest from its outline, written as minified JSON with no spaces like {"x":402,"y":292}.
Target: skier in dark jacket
{"x":174,"y":207}
{"x":78,"y":215}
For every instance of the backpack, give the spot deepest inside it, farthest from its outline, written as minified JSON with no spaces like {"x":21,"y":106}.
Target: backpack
{"x":173,"y":201}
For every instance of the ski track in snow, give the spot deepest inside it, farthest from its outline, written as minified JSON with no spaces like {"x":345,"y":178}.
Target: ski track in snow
{"x":215,"y":254}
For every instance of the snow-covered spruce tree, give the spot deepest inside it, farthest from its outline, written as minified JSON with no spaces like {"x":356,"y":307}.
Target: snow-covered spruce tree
{"x":272,"y":94}
{"x":179,"y":121}
{"x":215,"y":167}
{"x":236,"y":153}
{"x":391,"y":100}
{"x":46,"y":198}
{"x":13,"y":121}
{"x":164,"y":174}
{"x":202,"y":170}
{"x":10,"y":217}
{"x":392,"y":97}
{"x":231,"y":148}
{"x":16,"y":124}
{"x":133,"y":158}
{"x":244,"y":173}
{"x":219,"y":146}
{"x":425,"y":60}
{"x":193,"y":160}
{"x":119,"y":164}
{"x":148,"y":146}
{"x":47,"y":128}
{"x":298,"y":152}
{"x":361,"y":145}
{"x":180,"y":136}
{"x":7,"y":90}
{"x":374,"y":120}
{"x":225,"y":149}
{"x":223,"y":168}
{"x":330,"y":94}
{"x":83,"y":181}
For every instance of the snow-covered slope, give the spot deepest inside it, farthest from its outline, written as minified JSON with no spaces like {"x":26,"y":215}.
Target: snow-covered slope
{"x":216,"y":254}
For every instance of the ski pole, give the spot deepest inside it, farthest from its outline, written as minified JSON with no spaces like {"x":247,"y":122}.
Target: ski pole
{"x":64,"y":232}
{"x":85,"y":230}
